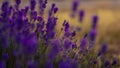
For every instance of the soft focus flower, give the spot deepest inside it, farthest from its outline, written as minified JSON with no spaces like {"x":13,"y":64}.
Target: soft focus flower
{"x":94,"y":21}
{"x":6,"y":56}
{"x":103,"y":49}
{"x":67,"y":44}
{"x":93,"y":34}
{"x":30,"y":44}
{"x":81,"y":15}
{"x":32,"y":4}
{"x":18,"y":2}
{"x":2,"y":64}
{"x":107,"y":63}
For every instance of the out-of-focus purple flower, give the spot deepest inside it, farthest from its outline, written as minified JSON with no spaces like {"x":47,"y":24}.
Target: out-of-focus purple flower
{"x":93,"y":34}
{"x":81,"y":15}
{"x":32,"y":64}
{"x":49,"y":64}
{"x":103,"y":49}
{"x":94,"y":22}
{"x":67,"y":44}
{"x":55,"y":49}
{"x":107,"y":63}
{"x":83,"y":43}
{"x":30,"y":44}
{"x":32,"y":4}
{"x":42,"y":6}
{"x":2,"y":64}
{"x":67,"y":64}
{"x":75,"y":5}
{"x":5,"y":6}
{"x":18,"y":2}
{"x":73,"y":33}
{"x":74,"y":46}
{"x":114,"y":62}
{"x":95,"y":62}
{"x":6,"y":56}
{"x":55,"y":10}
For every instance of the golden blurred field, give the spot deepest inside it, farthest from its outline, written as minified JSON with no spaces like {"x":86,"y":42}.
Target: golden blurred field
{"x":108,"y":25}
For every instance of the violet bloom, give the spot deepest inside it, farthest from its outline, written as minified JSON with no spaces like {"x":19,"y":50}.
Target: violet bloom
{"x":6,"y":56}
{"x":107,"y":63}
{"x":83,"y":43}
{"x":32,"y":4}
{"x":67,"y":44}
{"x":2,"y":64}
{"x":55,"y":49}
{"x":18,"y":2}
{"x":75,"y":5}
{"x":114,"y":62}
{"x":93,"y":34}
{"x":30,"y":44}
{"x":42,"y":6}
{"x":81,"y":15}
{"x":94,"y":22}
{"x":103,"y":49}
{"x":73,"y":33}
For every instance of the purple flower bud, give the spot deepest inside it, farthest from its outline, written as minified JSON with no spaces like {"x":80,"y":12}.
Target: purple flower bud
{"x":74,"y":46}
{"x":83,"y":44}
{"x":67,"y":44}
{"x":93,"y":34}
{"x":94,"y":22}
{"x":114,"y":62}
{"x":2,"y":64}
{"x":6,"y":56}
{"x":103,"y":49}
{"x":107,"y":63}
{"x":32,"y":4}
{"x":18,"y":2}
{"x":73,"y":33}
{"x":30,"y":44}
{"x":5,"y":6}
{"x":81,"y":15}
{"x":75,"y":5}
{"x":55,"y":10}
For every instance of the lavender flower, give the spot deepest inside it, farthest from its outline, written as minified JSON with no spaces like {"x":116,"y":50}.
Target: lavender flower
{"x":75,"y":5}
{"x":2,"y":64}
{"x":30,"y":44}
{"x":103,"y":49}
{"x":81,"y":15}
{"x":42,"y":6}
{"x":93,"y":34}
{"x":94,"y":22}
{"x":32,"y":4}
{"x":18,"y":2}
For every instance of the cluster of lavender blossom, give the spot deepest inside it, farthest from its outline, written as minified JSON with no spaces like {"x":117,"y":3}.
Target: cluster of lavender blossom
{"x":28,"y":41}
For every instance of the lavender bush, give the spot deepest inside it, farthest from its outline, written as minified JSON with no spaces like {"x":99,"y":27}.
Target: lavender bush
{"x":28,"y":41}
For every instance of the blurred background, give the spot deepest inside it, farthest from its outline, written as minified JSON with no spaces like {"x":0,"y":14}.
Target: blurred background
{"x":108,"y":12}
